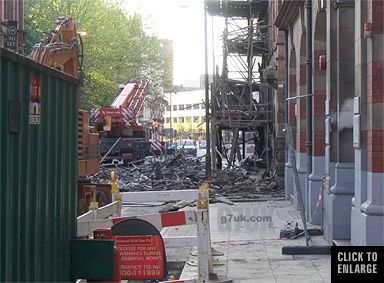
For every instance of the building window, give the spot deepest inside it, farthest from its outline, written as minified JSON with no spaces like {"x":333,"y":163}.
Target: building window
{"x":202,"y":106}
{"x":167,"y":120}
{"x":196,"y":119}
{"x":181,"y":119}
{"x":188,"y":107}
{"x":175,"y":120}
{"x":181,"y":106}
{"x":174,"y":107}
{"x":169,"y":108}
{"x":202,"y":118}
{"x":196,"y":106}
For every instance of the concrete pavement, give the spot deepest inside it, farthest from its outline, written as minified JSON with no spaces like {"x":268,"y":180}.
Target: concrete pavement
{"x":248,"y":234}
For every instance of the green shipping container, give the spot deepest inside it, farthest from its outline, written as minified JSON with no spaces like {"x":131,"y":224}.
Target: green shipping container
{"x":38,"y":170}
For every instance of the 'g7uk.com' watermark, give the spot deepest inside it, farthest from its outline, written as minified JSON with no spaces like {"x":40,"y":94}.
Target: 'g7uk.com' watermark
{"x":245,"y":218}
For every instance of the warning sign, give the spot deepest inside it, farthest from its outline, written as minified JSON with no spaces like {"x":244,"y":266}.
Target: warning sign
{"x":11,"y":35}
{"x":142,"y":257}
{"x":34,"y":101}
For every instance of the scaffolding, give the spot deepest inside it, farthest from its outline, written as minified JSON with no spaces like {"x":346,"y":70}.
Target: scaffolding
{"x":240,"y":97}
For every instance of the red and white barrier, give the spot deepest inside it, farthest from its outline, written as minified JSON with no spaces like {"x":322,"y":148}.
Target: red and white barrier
{"x":166,"y":219}
{"x":155,"y":145}
{"x":159,"y":220}
{"x":180,"y":281}
{"x":200,"y":217}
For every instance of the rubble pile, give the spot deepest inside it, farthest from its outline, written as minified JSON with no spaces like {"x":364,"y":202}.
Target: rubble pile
{"x":182,"y":172}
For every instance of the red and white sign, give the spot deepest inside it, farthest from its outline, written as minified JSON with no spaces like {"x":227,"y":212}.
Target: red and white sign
{"x":34,"y":100}
{"x":142,"y":257}
{"x":34,"y":91}
{"x":113,"y":112}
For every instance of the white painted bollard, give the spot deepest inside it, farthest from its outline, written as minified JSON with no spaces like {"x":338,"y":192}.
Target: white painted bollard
{"x":203,"y":237}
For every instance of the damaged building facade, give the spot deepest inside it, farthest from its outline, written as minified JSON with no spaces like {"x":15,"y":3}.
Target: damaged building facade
{"x":319,"y":76}
{"x":12,"y":25}
{"x":331,"y":54}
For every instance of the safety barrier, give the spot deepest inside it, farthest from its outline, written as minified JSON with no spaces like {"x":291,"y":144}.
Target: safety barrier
{"x":181,"y":281}
{"x":91,"y":221}
{"x":112,"y":209}
{"x":85,"y":227}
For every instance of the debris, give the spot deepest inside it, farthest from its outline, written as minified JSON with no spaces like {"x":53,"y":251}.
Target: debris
{"x":219,"y":198}
{"x":180,"y":171}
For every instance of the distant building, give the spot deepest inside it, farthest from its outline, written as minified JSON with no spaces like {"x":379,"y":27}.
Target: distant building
{"x":167,"y":49}
{"x":202,"y":80}
{"x":185,"y":111}
{"x":190,"y":84}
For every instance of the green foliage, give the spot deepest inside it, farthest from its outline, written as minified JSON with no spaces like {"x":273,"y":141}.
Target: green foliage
{"x":116,"y":48}
{"x":179,"y":127}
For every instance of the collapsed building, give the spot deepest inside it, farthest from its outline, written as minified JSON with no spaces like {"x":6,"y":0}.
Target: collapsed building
{"x":314,"y":69}
{"x":242,"y":93}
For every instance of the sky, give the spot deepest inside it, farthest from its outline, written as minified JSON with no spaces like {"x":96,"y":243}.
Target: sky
{"x":182,"y":21}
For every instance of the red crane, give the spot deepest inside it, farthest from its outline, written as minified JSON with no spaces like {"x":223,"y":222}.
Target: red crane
{"x":121,"y":137}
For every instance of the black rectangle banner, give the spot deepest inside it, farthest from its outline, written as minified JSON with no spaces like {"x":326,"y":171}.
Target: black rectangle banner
{"x":357,"y":263}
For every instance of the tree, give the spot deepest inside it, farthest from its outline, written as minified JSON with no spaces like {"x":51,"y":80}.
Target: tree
{"x":116,"y":48}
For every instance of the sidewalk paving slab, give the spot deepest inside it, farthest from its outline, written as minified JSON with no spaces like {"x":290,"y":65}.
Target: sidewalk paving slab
{"x":252,"y":250}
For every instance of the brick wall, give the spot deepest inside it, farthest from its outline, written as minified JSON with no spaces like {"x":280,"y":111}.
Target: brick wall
{"x":375,"y":88}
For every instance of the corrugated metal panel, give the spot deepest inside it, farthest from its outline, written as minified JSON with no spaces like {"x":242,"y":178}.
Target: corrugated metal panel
{"x":38,"y":172}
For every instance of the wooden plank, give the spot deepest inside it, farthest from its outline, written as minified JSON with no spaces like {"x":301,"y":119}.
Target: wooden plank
{"x":111,"y":209}
{"x":172,"y":195}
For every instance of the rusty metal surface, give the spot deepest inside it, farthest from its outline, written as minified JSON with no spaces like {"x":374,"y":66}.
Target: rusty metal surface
{"x":38,"y":170}
{"x":88,"y":193}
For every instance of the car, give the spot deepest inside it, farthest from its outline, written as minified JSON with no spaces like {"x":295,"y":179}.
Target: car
{"x":185,"y":146}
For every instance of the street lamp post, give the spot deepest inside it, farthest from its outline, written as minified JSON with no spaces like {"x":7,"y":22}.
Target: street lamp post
{"x":207,"y":133}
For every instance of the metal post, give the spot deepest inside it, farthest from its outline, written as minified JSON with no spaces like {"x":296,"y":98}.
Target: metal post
{"x":308,"y":144}
{"x":286,"y":53}
{"x":207,"y":129}
{"x":243,"y":137}
{"x":203,"y":247}
{"x":267,"y":132}
{"x":297,"y":183}
{"x":220,"y":149}
{"x":170,"y":116}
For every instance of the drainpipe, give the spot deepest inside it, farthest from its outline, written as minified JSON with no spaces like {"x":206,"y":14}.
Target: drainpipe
{"x":286,"y":88}
{"x":308,"y":144}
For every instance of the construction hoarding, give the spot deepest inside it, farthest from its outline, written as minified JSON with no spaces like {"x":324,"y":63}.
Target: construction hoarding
{"x":38,"y":170}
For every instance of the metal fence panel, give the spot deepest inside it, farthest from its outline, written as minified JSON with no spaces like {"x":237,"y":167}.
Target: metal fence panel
{"x":38,"y":170}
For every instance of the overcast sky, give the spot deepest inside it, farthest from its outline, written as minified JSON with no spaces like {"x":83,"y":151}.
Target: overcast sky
{"x":182,"y":21}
